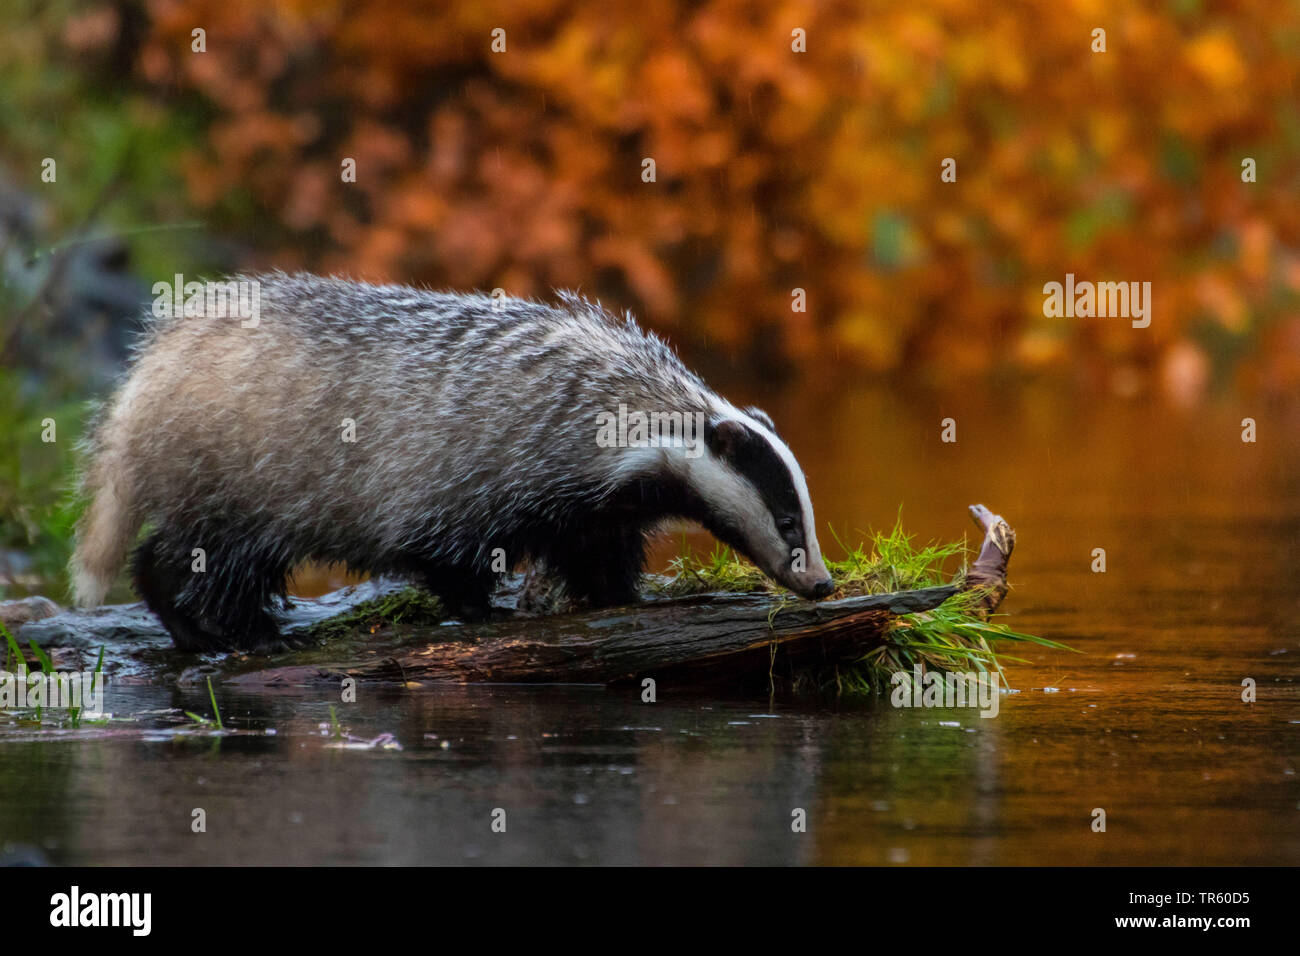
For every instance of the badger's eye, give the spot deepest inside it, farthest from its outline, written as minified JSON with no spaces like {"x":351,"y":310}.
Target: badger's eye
{"x":785,"y":525}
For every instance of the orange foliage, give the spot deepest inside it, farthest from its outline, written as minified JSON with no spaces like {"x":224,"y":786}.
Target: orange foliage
{"x":777,"y":169}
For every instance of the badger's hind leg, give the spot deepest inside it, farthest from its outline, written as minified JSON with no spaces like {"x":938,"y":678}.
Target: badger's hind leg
{"x":600,"y":566}
{"x":222,"y":607}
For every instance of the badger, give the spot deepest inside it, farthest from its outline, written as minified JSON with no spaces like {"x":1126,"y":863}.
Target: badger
{"x":426,"y":435}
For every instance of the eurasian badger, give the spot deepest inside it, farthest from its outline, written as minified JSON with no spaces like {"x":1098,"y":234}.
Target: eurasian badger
{"x":473,"y":424}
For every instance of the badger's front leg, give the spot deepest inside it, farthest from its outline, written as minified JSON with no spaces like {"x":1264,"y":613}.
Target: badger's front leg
{"x":465,"y":592}
{"x":600,"y":566}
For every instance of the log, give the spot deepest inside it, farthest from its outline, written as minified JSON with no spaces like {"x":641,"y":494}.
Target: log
{"x":695,"y":639}
{"x":741,"y":641}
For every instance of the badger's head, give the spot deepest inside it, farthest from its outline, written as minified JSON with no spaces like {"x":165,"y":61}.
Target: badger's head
{"x":752,"y":495}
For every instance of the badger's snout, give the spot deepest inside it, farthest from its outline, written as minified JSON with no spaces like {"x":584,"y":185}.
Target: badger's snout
{"x":812,"y":590}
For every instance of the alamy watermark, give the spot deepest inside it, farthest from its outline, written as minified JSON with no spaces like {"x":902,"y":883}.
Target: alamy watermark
{"x":232,"y":299}
{"x":637,"y":429}
{"x":133,"y":911}
{"x":951,"y":689}
{"x":1128,"y":300}
{"x":54,"y":690}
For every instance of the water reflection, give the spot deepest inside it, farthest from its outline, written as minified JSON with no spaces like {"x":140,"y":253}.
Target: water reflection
{"x":1200,"y":534}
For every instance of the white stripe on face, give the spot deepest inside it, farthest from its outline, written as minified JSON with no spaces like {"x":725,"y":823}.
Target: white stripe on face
{"x":736,"y":503}
{"x":725,"y":488}
{"x":796,"y":475}
{"x":728,"y":494}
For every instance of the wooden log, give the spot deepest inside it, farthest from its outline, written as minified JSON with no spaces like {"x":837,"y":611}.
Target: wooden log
{"x":742,"y":641}
{"x":706,"y":639}
{"x":699,"y":639}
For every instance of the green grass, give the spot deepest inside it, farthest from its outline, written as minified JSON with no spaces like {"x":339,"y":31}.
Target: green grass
{"x":719,"y":570}
{"x":893,"y":562}
{"x":74,"y":713}
{"x":952,"y":637}
{"x":889,"y":562}
{"x":38,"y":502}
{"x":216,"y":712}
{"x":411,"y":606}
{"x":955,"y":636}
{"x":16,"y":663}
{"x":47,"y":666}
{"x":14,"y":660}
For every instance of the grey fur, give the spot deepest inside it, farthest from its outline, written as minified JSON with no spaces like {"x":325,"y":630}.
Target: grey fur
{"x":474,"y":421}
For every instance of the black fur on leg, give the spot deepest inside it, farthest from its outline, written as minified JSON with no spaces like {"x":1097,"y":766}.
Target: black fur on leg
{"x":465,"y":592}
{"x":159,"y":582}
{"x":223,"y":608}
{"x":600,"y":566}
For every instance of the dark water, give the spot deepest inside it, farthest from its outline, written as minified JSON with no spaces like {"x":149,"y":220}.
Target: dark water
{"x":1200,"y":532}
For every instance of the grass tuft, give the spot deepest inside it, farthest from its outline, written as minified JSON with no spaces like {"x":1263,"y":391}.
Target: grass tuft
{"x":216,"y":712}
{"x":410,"y":605}
{"x":955,"y":636}
{"x":952,"y":637}
{"x":889,"y":562}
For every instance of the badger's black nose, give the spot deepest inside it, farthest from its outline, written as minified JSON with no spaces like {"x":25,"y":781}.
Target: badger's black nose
{"x":823,"y":588}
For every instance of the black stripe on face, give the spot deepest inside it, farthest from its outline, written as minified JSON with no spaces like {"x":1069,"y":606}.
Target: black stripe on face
{"x":754,"y":458}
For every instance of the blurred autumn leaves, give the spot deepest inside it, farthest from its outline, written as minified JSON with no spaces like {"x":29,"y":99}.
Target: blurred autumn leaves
{"x":775,"y":169}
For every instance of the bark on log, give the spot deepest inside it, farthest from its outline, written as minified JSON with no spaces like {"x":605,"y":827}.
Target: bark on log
{"x":741,"y":641}
{"x":990,"y":568}
{"x":707,"y":639}
{"x":698,"y":639}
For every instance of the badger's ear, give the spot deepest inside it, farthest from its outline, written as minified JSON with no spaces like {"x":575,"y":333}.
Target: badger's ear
{"x":762,"y":417}
{"x":725,"y":437}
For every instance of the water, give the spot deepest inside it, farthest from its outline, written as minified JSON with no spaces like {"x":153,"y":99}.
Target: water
{"x":1147,"y":723}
